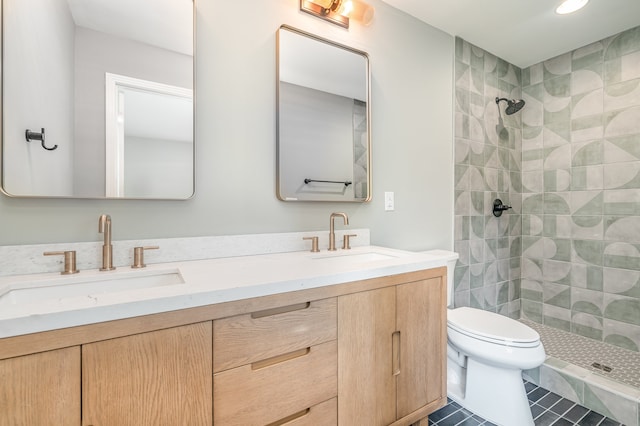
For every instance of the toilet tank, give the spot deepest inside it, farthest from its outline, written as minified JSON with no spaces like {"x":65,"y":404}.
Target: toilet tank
{"x":451,"y":258}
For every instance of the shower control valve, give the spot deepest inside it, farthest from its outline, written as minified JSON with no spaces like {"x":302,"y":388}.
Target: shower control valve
{"x":498,"y":207}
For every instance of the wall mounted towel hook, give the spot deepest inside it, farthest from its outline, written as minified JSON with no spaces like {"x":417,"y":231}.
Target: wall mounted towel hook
{"x":35,"y":136}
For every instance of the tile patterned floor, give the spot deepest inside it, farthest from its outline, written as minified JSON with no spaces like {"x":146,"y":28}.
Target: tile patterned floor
{"x":547,"y":409}
{"x":583,"y":352}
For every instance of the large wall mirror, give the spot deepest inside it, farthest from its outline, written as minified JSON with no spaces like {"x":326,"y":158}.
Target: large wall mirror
{"x":97,"y":98}
{"x":324,"y":149}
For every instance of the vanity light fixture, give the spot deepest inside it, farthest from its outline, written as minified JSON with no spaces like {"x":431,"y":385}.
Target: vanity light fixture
{"x":339,"y":12}
{"x":570,"y":6}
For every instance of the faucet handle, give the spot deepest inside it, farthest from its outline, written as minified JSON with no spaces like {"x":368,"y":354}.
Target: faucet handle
{"x":314,"y":244}
{"x":69,"y":260}
{"x":346,"y":239}
{"x":138,"y":256}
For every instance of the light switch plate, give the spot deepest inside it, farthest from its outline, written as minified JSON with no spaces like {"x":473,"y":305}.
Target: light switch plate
{"x":389,"y":204}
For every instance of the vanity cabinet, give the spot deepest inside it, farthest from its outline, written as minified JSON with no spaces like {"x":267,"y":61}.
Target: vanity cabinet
{"x":369,"y":352}
{"x":41,"y":389}
{"x":157,"y":378}
{"x":392,"y":353}
{"x":277,"y":366}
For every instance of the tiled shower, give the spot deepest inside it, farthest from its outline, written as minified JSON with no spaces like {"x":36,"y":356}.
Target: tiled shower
{"x":567,"y":255}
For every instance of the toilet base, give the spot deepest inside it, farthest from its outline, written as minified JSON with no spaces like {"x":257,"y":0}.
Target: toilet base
{"x":496,"y":394}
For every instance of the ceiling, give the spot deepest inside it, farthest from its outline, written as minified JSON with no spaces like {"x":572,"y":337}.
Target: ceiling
{"x":524,"y":32}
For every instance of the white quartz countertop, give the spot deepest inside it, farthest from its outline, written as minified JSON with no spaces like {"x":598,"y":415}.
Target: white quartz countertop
{"x":198,"y":283}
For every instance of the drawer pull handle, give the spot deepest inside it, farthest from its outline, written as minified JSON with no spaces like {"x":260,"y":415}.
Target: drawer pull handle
{"x":280,"y":358}
{"x":290,"y":418}
{"x":280,"y":310}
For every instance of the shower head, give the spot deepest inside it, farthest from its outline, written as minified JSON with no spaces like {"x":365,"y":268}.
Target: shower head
{"x":513,"y":105}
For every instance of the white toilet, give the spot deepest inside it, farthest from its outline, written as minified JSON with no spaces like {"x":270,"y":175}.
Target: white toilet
{"x":486,"y":353}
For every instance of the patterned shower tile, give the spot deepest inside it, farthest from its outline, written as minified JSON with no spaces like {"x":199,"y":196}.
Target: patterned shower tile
{"x":476,"y":298}
{"x":558,"y":226}
{"x":557,"y":203}
{"x":533,"y":225}
{"x":586,"y":153}
{"x":477,"y":203}
{"x":587,"y":227}
{"x":587,"y":301}
{"x":587,"y":178}
{"x":622,"y":122}
{"x":462,"y":100}
{"x":476,"y":85}
{"x":587,"y":104}
{"x":476,"y":227}
{"x":610,"y":404}
{"x":556,"y":317}
{"x":533,"y":247}
{"x":587,"y":325}
{"x":622,"y":149}
{"x":622,"y":281}
{"x":462,"y":202}
{"x":476,"y":276}
{"x":622,"y":202}
{"x":515,"y":251}
{"x":622,"y":175}
{"x":476,"y":251}
{"x":587,"y":79}
{"x":622,"y":69}
{"x":490,"y":297}
{"x":557,"y":249}
{"x":461,"y":177}
{"x":587,"y":276}
{"x":587,"y":128}
{"x":564,"y":385}
{"x":531,"y":268}
{"x":557,"y":120}
{"x":462,"y":248}
{"x":622,"y":308}
{"x":622,"y":95}
{"x":462,"y":75}
{"x":588,"y":251}
{"x":587,"y":56}
{"x":623,"y":335}
{"x":461,"y":278}
{"x":623,"y":43}
{"x":557,"y":179}
{"x":558,"y":66}
{"x":622,"y":228}
{"x":461,"y":298}
{"x":461,"y":151}
{"x":622,"y":255}
{"x":531,"y":310}
{"x":532,"y":155}
{"x":463,"y":51}
{"x":490,"y":274}
{"x":557,"y":273}
{"x":461,"y":227}
{"x":586,"y":203}
{"x":533,"y":203}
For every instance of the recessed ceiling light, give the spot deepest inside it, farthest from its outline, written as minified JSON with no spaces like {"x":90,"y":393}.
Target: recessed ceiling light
{"x":570,"y":6}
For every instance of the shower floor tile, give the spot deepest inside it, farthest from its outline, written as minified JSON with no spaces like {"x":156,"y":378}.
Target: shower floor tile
{"x":559,"y":412}
{"x":584,"y":352}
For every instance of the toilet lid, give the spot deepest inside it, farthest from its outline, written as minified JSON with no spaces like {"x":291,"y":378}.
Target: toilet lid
{"x":490,"y":326}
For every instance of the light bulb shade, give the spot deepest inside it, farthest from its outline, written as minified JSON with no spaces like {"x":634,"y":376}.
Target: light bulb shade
{"x":358,"y":10}
{"x":570,"y":6}
{"x":339,"y":12}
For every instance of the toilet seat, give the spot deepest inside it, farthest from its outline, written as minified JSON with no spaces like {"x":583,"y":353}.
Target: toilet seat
{"x":492,"y":327}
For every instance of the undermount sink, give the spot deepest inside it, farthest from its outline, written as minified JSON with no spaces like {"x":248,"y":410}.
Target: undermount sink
{"x":355,"y":257}
{"x":54,"y":289}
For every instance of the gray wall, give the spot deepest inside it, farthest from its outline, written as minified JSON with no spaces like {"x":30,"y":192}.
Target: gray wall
{"x":97,"y":53}
{"x":46,"y":31}
{"x":412,"y":69}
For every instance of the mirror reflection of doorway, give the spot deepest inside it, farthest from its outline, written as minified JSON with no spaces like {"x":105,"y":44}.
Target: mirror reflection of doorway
{"x":149,"y":139}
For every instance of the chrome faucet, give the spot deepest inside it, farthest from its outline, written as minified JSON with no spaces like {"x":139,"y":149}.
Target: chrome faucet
{"x":332,"y":234}
{"x":104,"y":227}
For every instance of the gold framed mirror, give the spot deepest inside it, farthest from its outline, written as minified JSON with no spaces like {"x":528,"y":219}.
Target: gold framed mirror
{"x":323,"y":120}
{"x":69,"y":129}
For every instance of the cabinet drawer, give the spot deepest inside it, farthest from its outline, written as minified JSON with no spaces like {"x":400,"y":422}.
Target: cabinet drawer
{"x":268,"y":391}
{"x":323,"y":414}
{"x":244,"y":339}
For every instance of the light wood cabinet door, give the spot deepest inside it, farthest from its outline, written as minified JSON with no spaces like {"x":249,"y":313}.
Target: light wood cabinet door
{"x":366,"y":384}
{"x":41,"y":389}
{"x":158,"y":378}
{"x":420,"y":318}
